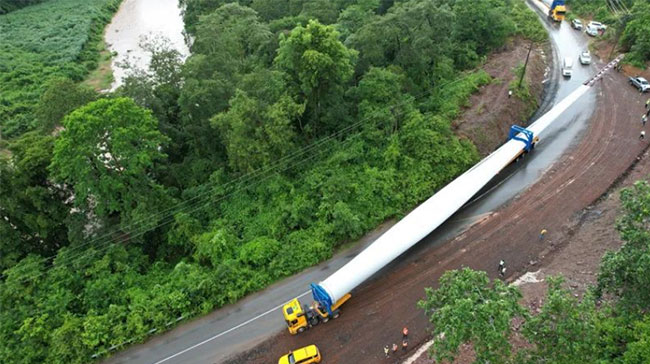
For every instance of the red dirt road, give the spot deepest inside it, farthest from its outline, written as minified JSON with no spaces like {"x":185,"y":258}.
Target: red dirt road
{"x":378,"y":310}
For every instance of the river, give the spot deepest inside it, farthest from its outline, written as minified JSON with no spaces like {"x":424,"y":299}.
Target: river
{"x":138,"y":20}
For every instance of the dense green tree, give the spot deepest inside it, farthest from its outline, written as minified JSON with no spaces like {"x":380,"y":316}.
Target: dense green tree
{"x":636,"y":36}
{"x":383,"y":103}
{"x":565,"y":331}
{"x":194,"y":9}
{"x":638,"y":349}
{"x":414,"y":36}
{"x":325,"y":12}
{"x":60,"y":97}
{"x":356,"y":16}
{"x":467,"y":308}
{"x":259,"y":130}
{"x":318,"y":66}
{"x":483,"y":24}
{"x":32,"y":208}
{"x":108,"y":153}
{"x":158,"y":89}
{"x":626,"y":272}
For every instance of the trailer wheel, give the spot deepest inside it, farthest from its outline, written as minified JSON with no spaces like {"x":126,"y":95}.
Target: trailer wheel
{"x":301,"y":329}
{"x":314,"y":321}
{"x":336,"y":314}
{"x":325,"y":319}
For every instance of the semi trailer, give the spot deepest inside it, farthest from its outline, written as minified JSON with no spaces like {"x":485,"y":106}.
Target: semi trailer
{"x":335,"y":290}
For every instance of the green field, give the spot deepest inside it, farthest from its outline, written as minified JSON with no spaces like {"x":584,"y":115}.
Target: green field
{"x":41,"y":42}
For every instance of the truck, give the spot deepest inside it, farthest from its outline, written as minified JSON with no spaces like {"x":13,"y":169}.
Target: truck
{"x":640,"y":83}
{"x":557,"y":11}
{"x":300,"y":318}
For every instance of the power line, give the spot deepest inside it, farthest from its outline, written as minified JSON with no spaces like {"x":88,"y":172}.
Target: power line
{"x":107,"y":238}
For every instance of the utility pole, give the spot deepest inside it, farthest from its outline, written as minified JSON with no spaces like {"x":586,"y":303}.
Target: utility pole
{"x":523,"y":72}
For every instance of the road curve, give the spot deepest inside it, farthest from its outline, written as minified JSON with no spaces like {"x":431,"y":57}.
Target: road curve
{"x":219,"y":335}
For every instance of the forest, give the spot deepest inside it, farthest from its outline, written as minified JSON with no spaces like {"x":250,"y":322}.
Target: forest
{"x":295,"y":127}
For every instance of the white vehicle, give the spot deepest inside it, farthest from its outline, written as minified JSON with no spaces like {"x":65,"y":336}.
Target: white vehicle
{"x":576,"y":24}
{"x":585,"y":58}
{"x":567,"y":67}
{"x":597,"y":25}
{"x":592,"y":30}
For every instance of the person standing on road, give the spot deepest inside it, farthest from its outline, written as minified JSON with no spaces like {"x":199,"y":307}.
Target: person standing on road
{"x":642,"y":136}
{"x":405,"y":333}
{"x":394,"y":348}
{"x":405,"y":344}
{"x":647,"y":104}
{"x":386,"y":350}
{"x":644,"y":118}
{"x":542,"y":234}
{"x":502,"y":264}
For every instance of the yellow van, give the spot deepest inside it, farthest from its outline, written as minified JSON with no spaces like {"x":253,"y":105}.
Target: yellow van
{"x":307,"y":355}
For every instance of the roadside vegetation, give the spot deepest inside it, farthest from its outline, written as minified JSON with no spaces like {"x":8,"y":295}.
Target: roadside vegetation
{"x":294,"y":127}
{"x":610,"y":324}
{"x":628,"y":19}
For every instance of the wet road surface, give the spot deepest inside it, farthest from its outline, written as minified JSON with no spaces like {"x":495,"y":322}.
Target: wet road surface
{"x":211,"y":339}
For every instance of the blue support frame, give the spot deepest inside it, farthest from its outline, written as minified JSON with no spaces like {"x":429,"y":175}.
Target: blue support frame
{"x":515,"y":130}
{"x":322,"y":297}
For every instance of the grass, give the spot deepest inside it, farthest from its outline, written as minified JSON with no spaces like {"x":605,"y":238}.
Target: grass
{"x":40,"y":42}
{"x":101,"y":78}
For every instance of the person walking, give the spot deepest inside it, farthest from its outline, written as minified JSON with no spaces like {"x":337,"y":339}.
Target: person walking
{"x":386,"y":350}
{"x":394,"y":348}
{"x":405,"y":344}
{"x":405,"y":333}
{"x":647,"y":104}
{"x":644,"y":118}
{"x":502,"y":264}
{"x":642,"y":136}
{"x":542,"y":234}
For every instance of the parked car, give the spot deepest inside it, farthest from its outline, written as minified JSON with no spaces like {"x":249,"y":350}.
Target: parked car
{"x":576,"y":24}
{"x":598,"y":25}
{"x":567,"y":67}
{"x":592,"y":30}
{"x":307,"y":355}
{"x":640,"y":83}
{"x":585,"y":58}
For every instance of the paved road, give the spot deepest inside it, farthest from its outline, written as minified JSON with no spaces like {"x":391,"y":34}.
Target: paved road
{"x":217,"y":336}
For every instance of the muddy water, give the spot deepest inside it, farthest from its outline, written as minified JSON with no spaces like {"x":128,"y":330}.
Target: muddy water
{"x":137,"y":20}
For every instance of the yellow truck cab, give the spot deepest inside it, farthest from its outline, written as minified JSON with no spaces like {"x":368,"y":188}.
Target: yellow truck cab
{"x":299,"y":318}
{"x":307,"y":355}
{"x":557,"y":10}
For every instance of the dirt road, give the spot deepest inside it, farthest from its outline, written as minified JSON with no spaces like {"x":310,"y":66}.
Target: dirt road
{"x":375,"y":316}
